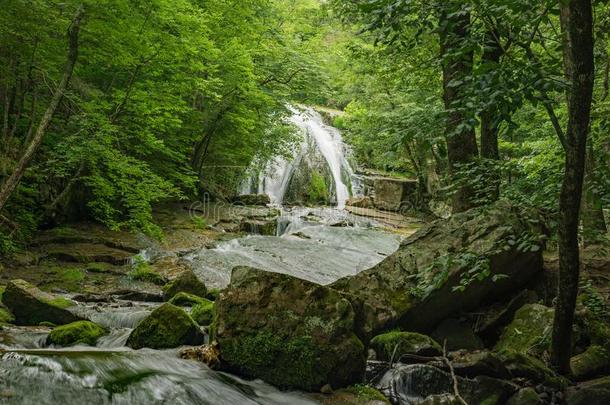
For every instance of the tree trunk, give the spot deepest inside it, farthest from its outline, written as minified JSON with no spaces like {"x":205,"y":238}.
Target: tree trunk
{"x":579,"y":58}
{"x":11,"y":183}
{"x":457,"y":66}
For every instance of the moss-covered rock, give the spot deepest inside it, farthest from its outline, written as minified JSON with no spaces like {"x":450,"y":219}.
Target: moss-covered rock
{"x":144,"y":272}
{"x":186,"y":282}
{"x":525,"y":396}
{"x":183,"y":299}
{"x":81,"y":332}
{"x":529,"y":332}
{"x":287,"y":331}
{"x":5,"y":315}
{"x":203,"y":313}
{"x":430,"y":277}
{"x":590,"y":363}
{"x":31,"y":306}
{"x":394,"y":345}
{"x":167,"y":326}
{"x":595,"y":360}
{"x":520,"y":365}
{"x":213,"y":294}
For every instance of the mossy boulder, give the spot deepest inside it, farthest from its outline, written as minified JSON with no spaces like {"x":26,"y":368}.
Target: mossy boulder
{"x":525,"y":396}
{"x":520,"y":365}
{"x":166,"y":327}
{"x":81,"y":332}
{"x":394,"y":345}
{"x":183,"y":299}
{"x":289,"y":332}
{"x":203,"y":313}
{"x":529,"y":332}
{"x":31,"y":306}
{"x":185,"y":282}
{"x":595,"y":360}
{"x":430,"y":278}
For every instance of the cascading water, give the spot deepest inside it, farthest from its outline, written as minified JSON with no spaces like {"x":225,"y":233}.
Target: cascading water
{"x":328,"y":142}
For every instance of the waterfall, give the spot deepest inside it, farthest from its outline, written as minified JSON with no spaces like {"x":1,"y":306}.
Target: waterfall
{"x":276,"y":179}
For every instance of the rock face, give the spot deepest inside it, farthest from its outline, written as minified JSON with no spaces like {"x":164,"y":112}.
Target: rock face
{"x":391,"y":194}
{"x":31,"y":306}
{"x":81,"y":332}
{"x":166,"y":327}
{"x":186,"y":282}
{"x":289,"y":332}
{"x":449,"y":266}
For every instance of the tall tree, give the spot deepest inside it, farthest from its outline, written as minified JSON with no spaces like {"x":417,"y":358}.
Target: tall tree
{"x":457,"y":60}
{"x":578,"y":21}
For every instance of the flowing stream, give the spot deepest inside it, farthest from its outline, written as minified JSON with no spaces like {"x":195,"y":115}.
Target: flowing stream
{"x":316,"y":244}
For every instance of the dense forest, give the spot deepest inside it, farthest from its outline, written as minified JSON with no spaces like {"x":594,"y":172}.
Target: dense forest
{"x":394,"y":166}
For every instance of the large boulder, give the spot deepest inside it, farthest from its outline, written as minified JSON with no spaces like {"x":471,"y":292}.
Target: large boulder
{"x":166,"y":327}
{"x":31,"y":306}
{"x":392,"y":194}
{"x":449,"y":266}
{"x":186,"y":282}
{"x":289,"y":332}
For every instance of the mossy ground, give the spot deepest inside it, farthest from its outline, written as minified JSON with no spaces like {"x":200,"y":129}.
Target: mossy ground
{"x":81,"y":332}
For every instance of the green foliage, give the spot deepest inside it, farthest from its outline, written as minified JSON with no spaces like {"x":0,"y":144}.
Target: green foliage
{"x":168,"y":99}
{"x":317,"y":192}
{"x":593,"y":300}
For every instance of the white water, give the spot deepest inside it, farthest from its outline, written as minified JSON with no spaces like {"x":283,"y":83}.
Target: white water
{"x":329,"y":142}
